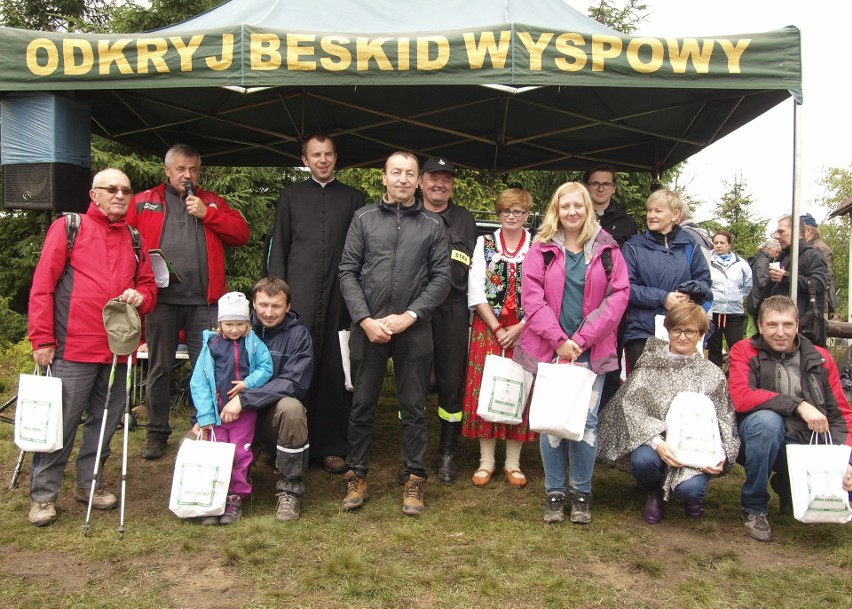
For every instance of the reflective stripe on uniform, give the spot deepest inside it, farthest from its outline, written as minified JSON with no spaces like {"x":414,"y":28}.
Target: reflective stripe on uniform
{"x":449,"y":417}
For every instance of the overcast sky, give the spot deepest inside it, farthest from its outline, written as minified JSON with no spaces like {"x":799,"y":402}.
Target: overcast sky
{"x":762,"y":151}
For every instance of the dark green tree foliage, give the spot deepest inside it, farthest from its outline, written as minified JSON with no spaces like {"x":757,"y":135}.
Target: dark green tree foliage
{"x":624,"y":19}
{"x":734,"y":213}
{"x":57,"y":15}
{"x":837,"y":182}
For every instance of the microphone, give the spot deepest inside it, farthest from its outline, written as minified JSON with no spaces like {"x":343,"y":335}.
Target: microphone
{"x":190,"y":189}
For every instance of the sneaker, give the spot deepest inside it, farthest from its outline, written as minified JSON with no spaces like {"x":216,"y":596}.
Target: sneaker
{"x":102,"y":500}
{"x":42,"y":513}
{"x":581,"y":512}
{"x":356,"y":491}
{"x":757,"y":526}
{"x":153,"y":449}
{"x":412,"y":496}
{"x":210,"y":521}
{"x":288,"y":508}
{"x":554,"y":511}
{"x":334,"y":464}
{"x":233,"y":509}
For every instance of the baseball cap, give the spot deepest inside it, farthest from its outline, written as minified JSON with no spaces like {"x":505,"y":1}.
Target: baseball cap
{"x":438,"y":163}
{"x":809,"y":220}
{"x":123,"y":326}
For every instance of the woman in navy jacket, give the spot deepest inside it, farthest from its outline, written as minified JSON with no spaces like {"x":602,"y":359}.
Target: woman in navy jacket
{"x":666,"y":267}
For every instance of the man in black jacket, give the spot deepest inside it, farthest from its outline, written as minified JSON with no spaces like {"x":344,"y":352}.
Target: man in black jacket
{"x":393,"y":274}
{"x":282,"y":424}
{"x":450,"y":321}
{"x":813,"y":274}
{"x":600,"y":180}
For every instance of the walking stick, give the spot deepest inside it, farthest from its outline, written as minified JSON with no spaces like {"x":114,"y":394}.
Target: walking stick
{"x":97,"y":469}
{"x":124,"y":449}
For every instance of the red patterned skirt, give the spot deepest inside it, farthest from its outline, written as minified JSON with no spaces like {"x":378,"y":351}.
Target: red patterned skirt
{"x":482,"y":342}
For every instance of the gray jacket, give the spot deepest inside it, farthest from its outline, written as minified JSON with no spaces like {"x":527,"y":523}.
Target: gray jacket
{"x":395,"y":259}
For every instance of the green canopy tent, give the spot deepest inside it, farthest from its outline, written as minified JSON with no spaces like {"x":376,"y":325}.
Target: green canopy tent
{"x":493,"y":84}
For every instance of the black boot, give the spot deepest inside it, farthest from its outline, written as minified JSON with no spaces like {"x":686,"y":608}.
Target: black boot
{"x":447,"y":472}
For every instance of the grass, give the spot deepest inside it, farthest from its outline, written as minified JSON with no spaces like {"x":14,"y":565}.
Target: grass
{"x":473,"y":547}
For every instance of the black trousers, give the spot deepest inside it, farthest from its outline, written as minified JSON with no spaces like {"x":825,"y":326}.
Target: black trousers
{"x":411,"y":352}
{"x":450,"y":338}
{"x":731,"y":326}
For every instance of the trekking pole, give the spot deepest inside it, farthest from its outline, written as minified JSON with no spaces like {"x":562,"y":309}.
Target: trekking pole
{"x":97,"y":468}
{"x":124,"y":449}
{"x":17,"y":471}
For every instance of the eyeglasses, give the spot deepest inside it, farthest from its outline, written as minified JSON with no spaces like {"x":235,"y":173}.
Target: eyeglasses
{"x":604,"y":185}
{"x":678,"y":332}
{"x":512,"y":212}
{"x":125,"y":190}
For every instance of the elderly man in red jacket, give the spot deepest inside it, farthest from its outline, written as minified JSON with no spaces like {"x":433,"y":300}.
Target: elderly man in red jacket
{"x":191,"y":227}
{"x":66,"y":330}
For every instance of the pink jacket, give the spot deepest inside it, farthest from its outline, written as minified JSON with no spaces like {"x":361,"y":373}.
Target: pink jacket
{"x":604,"y":302}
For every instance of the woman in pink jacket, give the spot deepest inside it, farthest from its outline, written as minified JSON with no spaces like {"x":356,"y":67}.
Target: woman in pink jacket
{"x":575,"y":291}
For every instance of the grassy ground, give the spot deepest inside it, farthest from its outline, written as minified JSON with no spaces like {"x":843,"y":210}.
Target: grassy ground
{"x":473,"y":547}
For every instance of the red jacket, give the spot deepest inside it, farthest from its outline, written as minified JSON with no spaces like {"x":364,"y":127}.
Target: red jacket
{"x":751,"y":382}
{"x":66,"y":309}
{"x":223,"y":226}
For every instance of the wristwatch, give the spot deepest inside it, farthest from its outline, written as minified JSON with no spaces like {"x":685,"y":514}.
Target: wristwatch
{"x":413,"y":314}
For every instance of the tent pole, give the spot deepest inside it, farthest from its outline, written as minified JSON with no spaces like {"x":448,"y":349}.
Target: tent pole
{"x":797,"y":185}
{"x":848,"y":290}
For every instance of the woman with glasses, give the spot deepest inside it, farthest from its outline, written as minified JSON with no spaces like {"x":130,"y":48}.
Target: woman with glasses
{"x":633,"y":425}
{"x":731,"y":284}
{"x":575,"y":292}
{"x":494,"y":293}
{"x":666,"y":266}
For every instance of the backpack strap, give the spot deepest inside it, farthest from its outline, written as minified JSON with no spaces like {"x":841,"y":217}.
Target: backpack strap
{"x":72,"y":227}
{"x":548,"y":257}
{"x":606,"y":260}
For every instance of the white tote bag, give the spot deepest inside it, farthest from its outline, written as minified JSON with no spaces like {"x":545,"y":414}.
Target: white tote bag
{"x":343,"y":338}
{"x":561,"y":400}
{"x":38,"y":415}
{"x":692,"y":430}
{"x":816,"y":481}
{"x":201,"y":479}
{"x":504,"y":390}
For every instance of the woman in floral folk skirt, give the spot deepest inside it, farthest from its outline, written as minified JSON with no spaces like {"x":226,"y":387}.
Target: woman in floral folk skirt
{"x":494,"y":293}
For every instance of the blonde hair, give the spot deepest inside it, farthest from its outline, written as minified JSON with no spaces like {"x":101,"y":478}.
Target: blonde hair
{"x":671,"y":199}
{"x":684,"y":313}
{"x":551,"y":224}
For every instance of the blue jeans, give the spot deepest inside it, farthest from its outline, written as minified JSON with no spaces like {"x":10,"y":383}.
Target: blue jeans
{"x":580,"y":454}
{"x":649,"y":469}
{"x":763,"y":438}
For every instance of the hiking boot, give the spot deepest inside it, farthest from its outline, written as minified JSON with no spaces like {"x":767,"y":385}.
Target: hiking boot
{"x":42,"y":513}
{"x":581,"y":511}
{"x":757,"y":526}
{"x":412,"y":496}
{"x":153,"y":449}
{"x":653,"y":510}
{"x":356,"y":491}
{"x":210,"y":521}
{"x":554,"y":511}
{"x":334,"y":464}
{"x":288,"y":508}
{"x":447,"y":471}
{"x":233,"y":509}
{"x":102,"y":500}
{"x":694,"y":509}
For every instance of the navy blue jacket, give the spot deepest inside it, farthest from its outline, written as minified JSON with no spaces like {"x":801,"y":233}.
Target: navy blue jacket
{"x":291,"y":348}
{"x":656,"y":266}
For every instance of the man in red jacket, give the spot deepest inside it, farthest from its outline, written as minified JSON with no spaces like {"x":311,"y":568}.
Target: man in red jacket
{"x":191,"y":227}
{"x":66,"y":330}
{"x":783,"y":389}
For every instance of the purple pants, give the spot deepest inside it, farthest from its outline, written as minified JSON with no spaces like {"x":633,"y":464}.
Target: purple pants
{"x":241,"y":433}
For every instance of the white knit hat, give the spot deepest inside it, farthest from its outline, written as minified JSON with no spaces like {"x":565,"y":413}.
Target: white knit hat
{"x":233,"y":306}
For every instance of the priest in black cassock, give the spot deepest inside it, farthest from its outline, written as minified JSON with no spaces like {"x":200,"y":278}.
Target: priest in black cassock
{"x":311,"y":223}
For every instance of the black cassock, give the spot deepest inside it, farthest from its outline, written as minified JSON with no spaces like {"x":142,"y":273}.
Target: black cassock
{"x":310,"y":228}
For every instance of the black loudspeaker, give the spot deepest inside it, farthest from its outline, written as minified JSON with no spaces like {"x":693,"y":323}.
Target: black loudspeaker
{"x":46,"y":186}
{"x":45,"y":152}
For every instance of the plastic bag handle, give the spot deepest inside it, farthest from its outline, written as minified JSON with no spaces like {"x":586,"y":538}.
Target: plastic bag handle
{"x":815,"y":438}
{"x":695,"y":378}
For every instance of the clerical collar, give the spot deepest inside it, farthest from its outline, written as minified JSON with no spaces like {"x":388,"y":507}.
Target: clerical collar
{"x":323,"y":184}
